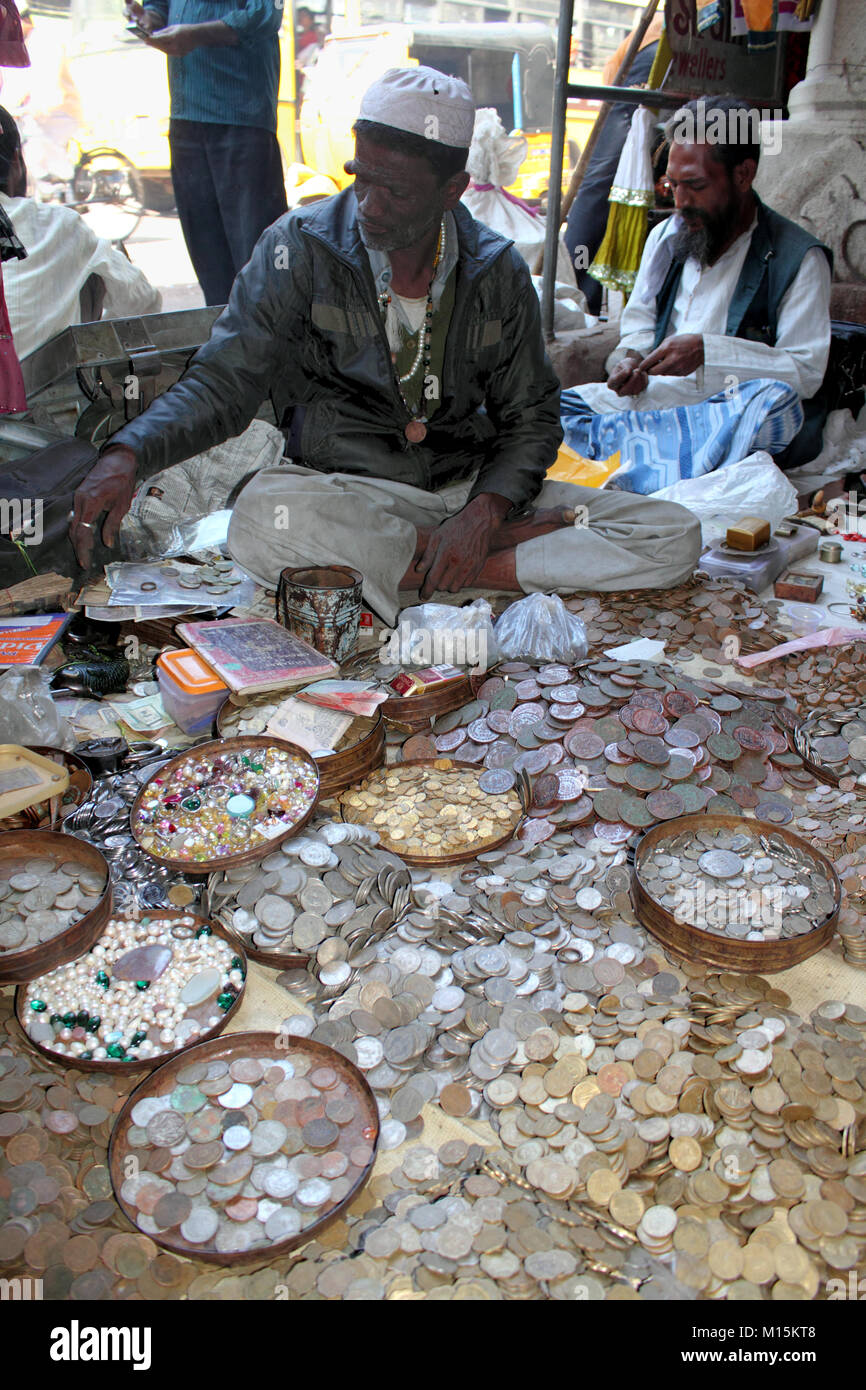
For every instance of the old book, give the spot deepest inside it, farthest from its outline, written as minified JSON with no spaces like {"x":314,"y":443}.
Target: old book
{"x":253,"y":654}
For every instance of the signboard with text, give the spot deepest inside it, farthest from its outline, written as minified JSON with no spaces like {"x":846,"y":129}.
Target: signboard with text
{"x":707,"y":63}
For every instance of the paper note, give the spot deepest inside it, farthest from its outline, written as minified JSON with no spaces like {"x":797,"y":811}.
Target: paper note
{"x":144,"y":715}
{"x":642,"y":649}
{"x":310,"y":726}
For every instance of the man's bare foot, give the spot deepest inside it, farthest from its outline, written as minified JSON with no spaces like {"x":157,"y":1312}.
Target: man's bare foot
{"x":538,"y":523}
{"x":499,"y":571}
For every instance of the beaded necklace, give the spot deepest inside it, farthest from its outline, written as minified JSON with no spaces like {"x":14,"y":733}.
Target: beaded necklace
{"x":416,"y":430}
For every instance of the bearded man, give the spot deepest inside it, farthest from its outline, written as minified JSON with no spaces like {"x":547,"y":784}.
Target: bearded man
{"x":725,"y":339}
{"x":400,"y":343}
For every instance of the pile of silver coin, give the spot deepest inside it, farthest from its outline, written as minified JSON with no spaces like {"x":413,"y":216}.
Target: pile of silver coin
{"x":739,"y":884}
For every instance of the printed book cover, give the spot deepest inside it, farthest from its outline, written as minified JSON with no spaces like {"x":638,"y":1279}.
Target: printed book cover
{"x":255,"y":654}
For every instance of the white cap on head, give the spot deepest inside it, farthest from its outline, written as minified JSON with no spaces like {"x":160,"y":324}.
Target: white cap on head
{"x":422,"y":102}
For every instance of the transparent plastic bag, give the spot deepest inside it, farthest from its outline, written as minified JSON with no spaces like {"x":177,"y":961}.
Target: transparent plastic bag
{"x":28,"y":714}
{"x":540,"y":628}
{"x":437,"y":634}
{"x":753,"y":486}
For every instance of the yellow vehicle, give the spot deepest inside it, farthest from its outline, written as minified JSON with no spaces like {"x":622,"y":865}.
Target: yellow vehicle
{"x":507,"y":66}
{"x":118,"y":89}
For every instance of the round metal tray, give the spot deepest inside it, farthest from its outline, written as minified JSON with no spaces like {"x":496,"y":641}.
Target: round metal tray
{"x":203,"y":752}
{"x":230,"y":1048}
{"x":691,"y":943}
{"x":146,"y":1063}
{"x":522,"y":787}
{"x":17,"y":967}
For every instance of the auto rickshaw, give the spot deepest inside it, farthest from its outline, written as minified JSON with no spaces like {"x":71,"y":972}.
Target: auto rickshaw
{"x":507,"y":66}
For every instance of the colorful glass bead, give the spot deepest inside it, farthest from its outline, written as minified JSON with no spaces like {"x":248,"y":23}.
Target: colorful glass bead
{"x":93,"y":1024}
{"x":38,"y":1006}
{"x":69,"y":1020}
{"x":102,"y":979}
{"x":205,"y":931}
{"x":116,"y":1050}
{"x":142,"y":985}
{"x":225,"y":1000}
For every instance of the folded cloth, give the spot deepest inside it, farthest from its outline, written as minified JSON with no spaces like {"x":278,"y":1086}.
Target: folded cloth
{"x":661,"y":447}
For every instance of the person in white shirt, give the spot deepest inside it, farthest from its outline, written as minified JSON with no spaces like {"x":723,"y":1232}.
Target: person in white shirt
{"x":44,"y":292}
{"x":729,"y":316}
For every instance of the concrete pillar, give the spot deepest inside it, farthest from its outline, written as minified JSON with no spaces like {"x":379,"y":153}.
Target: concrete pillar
{"x":816,"y":171}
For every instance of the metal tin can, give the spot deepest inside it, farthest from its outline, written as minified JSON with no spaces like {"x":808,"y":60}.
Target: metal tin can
{"x":322,"y":605}
{"x":830,"y":552}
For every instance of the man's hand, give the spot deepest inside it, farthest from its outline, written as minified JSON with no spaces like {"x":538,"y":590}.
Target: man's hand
{"x":176,"y":40}
{"x":108,"y":487}
{"x":145,"y":19}
{"x":680,"y":355}
{"x":458,"y":548}
{"x":627,"y":378}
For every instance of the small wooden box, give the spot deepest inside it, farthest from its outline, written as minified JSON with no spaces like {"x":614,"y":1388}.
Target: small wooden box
{"x":805,"y":588}
{"x":748,"y":534}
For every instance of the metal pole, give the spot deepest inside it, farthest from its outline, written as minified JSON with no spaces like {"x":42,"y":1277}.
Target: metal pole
{"x":621,"y":73}
{"x":557,"y":151}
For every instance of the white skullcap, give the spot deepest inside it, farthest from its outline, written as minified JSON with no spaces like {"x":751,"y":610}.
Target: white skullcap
{"x":422,"y":102}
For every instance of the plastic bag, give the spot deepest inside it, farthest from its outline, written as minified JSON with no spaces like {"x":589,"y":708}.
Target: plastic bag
{"x":540,"y":628}
{"x":752,"y":486}
{"x":494,"y":161}
{"x":28,"y":714}
{"x":437,"y":634}
{"x":206,"y":533}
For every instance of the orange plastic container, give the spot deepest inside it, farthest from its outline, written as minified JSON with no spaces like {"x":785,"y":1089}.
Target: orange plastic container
{"x":192,"y":692}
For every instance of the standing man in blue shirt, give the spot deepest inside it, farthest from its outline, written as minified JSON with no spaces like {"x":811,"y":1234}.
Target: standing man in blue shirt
{"x":223,"y":75}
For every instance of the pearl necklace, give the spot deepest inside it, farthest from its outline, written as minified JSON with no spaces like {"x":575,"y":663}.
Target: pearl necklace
{"x":416,"y":428}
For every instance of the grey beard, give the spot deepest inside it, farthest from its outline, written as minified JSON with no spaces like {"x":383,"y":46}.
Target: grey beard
{"x":692,"y":241}
{"x":396,"y":240}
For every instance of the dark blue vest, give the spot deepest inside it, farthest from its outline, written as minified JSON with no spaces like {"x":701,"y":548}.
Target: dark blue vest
{"x":772,"y":261}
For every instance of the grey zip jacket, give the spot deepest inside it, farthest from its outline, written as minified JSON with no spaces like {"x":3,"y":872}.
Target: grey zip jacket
{"x":303,"y":326}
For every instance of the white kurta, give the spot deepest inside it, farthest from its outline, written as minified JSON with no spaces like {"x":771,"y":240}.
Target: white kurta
{"x":799,"y":358}
{"x":62,"y":253}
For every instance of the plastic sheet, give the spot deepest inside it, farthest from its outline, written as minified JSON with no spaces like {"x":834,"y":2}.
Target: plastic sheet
{"x":540,"y":628}
{"x":28,"y":714}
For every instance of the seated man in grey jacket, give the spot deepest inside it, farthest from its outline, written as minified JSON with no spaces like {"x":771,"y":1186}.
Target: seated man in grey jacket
{"x":400,"y":343}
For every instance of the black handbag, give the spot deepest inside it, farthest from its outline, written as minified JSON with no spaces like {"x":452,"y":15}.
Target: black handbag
{"x":35,"y":501}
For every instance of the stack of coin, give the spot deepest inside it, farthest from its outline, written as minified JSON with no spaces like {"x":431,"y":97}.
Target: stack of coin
{"x":218,"y":577}
{"x":104,"y":820}
{"x":624,"y":745}
{"x":313,"y":891}
{"x":39,"y":899}
{"x":837,"y":743}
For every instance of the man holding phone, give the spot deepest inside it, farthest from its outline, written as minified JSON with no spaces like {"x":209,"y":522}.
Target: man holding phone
{"x":223,"y":76}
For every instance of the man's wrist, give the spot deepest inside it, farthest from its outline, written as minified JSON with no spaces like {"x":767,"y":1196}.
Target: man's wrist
{"x":497,"y":505}
{"x":215,"y":33}
{"x":129,"y":455}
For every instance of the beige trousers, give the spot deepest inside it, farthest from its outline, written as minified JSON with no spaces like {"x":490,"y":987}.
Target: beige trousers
{"x":291,"y":515}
